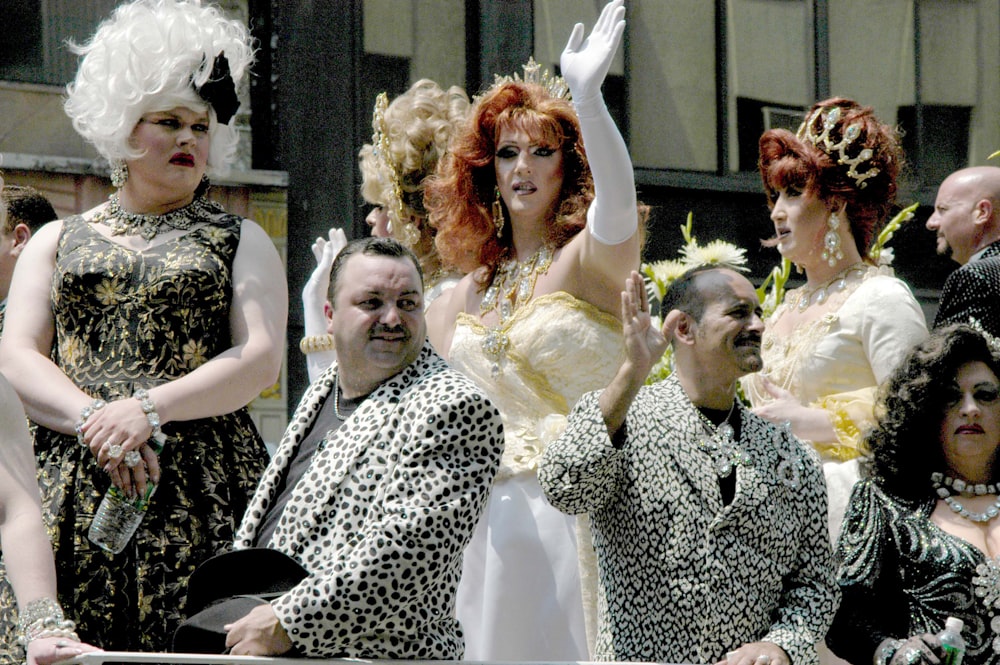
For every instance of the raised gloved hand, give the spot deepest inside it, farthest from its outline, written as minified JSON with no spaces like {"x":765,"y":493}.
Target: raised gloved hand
{"x":585,"y":63}
{"x":315,"y":291}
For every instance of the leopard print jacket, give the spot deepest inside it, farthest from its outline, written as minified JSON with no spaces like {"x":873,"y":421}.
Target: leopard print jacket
{"x":383,"y":514}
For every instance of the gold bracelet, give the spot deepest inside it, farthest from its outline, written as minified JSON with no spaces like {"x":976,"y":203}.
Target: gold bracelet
{"x":313,"y":343}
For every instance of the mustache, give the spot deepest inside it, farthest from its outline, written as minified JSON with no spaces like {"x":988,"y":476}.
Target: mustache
{"x":379,"y":329}
{"x":751,"y":337}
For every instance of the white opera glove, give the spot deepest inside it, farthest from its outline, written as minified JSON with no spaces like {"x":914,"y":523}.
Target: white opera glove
{"x":584,"y":64}
{"x":314,"y":296}
{"x":613,"y":217}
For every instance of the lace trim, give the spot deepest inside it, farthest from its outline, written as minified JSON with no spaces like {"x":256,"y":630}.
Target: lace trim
{"x":783,"y":356}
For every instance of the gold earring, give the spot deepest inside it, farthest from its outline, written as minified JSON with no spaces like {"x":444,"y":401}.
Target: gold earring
{"x":498,"y":219}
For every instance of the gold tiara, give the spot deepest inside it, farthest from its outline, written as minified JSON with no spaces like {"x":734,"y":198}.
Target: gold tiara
{"x":824,"y":142}
{"x":401,"y":228}
{"x":533,"y":73}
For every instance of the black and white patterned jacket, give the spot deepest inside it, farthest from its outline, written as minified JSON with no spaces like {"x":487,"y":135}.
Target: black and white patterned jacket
{"x":383,"y":514}
{"x":684,"y":578}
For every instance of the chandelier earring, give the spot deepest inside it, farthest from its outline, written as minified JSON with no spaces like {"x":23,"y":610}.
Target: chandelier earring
{"x":498,"y":218}
{"x":831,"y":241}
{"x":119,"y":173}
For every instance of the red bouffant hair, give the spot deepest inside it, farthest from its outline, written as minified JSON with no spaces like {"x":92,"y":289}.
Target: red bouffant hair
{"x":459,"y":198}
{"x":789,"y":161}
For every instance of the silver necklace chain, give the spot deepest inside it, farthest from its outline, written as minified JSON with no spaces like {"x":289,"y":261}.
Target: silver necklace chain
{"x":336,"y":398}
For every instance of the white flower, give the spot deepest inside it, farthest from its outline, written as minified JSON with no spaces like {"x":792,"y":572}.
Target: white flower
{"x":667,"y":271}
{"x":886,"y":256}
{"x":770,"y":301}
{"x":715,"y":253}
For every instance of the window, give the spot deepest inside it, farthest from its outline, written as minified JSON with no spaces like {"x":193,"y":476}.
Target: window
{"x":34,"y":47}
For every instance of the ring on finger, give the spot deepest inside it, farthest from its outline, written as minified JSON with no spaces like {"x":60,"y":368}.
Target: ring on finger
{"x":912,"y":655}
{"x":132,"y":458}
{"x":115,"y":450}
{"x":763,"y":659}
{"x":62,"y":644}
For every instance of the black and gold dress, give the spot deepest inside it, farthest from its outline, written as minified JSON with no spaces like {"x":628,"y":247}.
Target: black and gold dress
{"x":127,"y":319}
{"x":902,"y":575}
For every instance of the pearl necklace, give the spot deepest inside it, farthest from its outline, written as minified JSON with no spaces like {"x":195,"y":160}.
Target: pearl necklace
{"x":943,"y":486}
{"x":123,"y":222}
{"x":718,"y":442}
{"x":802,"y":298}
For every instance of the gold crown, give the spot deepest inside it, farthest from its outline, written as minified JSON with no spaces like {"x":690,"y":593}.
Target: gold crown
{"x":401,"y":228}
{"x":533,"y":73}
{"x":824,"y":142}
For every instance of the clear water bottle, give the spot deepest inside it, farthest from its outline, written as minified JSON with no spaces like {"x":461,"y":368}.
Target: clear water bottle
{"x":118,"y":517}
{"x":952,"y":644}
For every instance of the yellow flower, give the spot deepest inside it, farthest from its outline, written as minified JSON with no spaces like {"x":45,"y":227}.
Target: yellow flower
{"x":215,"y":234}
{"x":194,"y":353}
{"x":715,"y":253}
{"x":71,"y":350}
{"x":109,"y":292}
{"x":145,"y":606}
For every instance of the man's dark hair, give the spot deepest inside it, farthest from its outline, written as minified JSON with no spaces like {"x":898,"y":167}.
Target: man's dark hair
{"x":25,"y":205}
{"x":370,"y":246}
{"x":685,"y":294}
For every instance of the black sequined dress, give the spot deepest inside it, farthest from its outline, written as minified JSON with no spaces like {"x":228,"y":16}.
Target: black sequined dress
{"x":902,"y":575}
{"x":124,"y":320}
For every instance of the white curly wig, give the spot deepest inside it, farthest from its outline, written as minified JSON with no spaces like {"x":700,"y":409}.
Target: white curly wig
{"x":147,"y":57}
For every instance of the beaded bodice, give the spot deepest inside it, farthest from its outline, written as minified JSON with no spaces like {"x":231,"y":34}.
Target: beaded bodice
{"x":122,"y":314}
{"x":902,"y":575}
{"x":559,"y":348}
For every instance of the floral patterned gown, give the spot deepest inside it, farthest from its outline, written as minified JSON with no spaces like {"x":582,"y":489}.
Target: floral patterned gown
{"x":123,"y":320}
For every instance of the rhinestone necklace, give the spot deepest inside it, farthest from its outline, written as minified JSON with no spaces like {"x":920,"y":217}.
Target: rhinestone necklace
{"x":718,"y":442}
{"x":943,"y":486}
{"x":804,"y":296}
{"x":511,"y":288}
{"x":123,"y":222}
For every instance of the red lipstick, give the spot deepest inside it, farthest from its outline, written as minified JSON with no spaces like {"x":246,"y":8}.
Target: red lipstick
{"x":182,"y":159}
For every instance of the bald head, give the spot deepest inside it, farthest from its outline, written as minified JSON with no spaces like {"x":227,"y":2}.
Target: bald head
{"x":966,"y":215}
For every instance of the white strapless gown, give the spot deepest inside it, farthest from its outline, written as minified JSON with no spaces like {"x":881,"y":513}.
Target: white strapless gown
{"x":522,"y":594}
